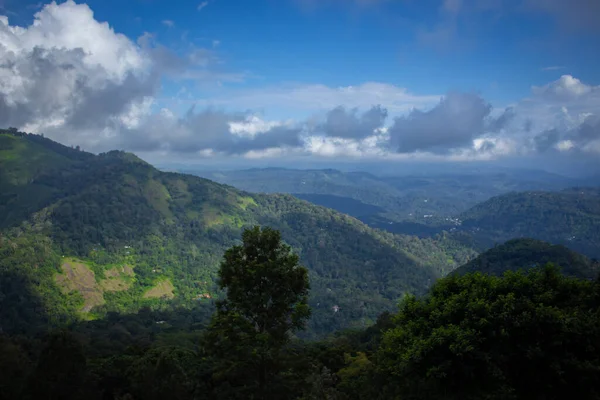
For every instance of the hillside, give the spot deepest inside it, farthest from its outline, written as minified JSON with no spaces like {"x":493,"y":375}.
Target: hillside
{"x":570,"y":217}
{"x":112,"y":233}
{"x":524,"y":254}
{"x":405,"y":202}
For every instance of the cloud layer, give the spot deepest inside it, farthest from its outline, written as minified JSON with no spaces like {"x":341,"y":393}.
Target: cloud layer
{"x":78,"y":81}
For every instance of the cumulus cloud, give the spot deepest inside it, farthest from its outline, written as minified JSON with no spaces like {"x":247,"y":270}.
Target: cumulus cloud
{"x":77,"y":80}
{"x":80,"y":82}
{"x":69,"y":69}
{"x":344,"y":123}
{"x":584,"y":138}
{"x":587,"y":133}
{"x":565,"y":88}
{"x":208,"y":130}
{"x":502,"y":121}
{"x":455,"y":122}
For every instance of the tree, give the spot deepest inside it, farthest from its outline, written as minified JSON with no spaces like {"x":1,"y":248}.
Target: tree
{"x":61,"y":370}
{"x":527,"y":335}
{"x":266,"y":302}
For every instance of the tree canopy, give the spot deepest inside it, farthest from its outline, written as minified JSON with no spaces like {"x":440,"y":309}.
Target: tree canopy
{"x":267,"y":295}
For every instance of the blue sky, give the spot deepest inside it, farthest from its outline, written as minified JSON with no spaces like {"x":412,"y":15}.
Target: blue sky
{"x":288,"y":64}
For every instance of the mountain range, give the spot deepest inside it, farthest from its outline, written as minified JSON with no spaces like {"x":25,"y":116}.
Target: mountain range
{"x":84,"y":235}
{"x":89,"y":234}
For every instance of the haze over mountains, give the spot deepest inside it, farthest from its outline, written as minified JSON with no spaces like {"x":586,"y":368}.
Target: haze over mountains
{"x":499,"y":205}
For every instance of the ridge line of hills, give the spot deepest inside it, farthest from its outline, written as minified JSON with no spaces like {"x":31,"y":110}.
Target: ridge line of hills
{"x":88,"y":235}
{"x":110,"y":213}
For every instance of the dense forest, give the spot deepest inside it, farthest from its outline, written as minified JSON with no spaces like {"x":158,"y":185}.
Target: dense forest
{"x":110,"y":233}
{"x":387,"y":201}
{"x":119,"y":281}
{"x":525,"y":254}
{"x":570,"y":217}
{"x":522,"y":335}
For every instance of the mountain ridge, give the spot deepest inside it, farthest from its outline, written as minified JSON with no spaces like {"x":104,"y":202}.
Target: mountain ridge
{"x":524,"y":254}
{"x":111,"y":210}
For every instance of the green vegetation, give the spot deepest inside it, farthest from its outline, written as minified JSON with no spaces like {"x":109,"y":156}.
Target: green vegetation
{"x":267,"y":294}
{"x":115,"y":210}
{"x":125,"y":282}
{"x":524,"y":335}
{"x":387,"y":202}
{"x":519,"y":336}
{"x":528,"y":253}
{"x":569,"y":217}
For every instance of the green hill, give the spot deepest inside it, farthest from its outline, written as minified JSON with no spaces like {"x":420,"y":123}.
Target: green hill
{"x":525,"y":254}
{"x":83,"y":235}
{"x":427,"y":197}
{"x":569,"y":217}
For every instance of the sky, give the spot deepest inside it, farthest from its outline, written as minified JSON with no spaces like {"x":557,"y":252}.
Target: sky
{"x":294,"y":82}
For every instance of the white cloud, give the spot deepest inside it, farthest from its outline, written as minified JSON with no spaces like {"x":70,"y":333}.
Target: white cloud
{"x":67,"y":69}
{"x":252,"y":126}
{"x":168,"y":23}
{"x":202,"y":5}
{"x":565,"y":88}
{"x":71,"y":26}
{"x":78,"y":81}
{"x":565,"y":145}
{"x":456,"y":121}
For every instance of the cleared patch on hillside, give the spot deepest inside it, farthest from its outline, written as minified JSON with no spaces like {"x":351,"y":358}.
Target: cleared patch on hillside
{"x":117,"y":279}
{"x":246,"y":201}
{"x":163,"y":289}
{"x":213,"y":219}
{"x":78,"y":276}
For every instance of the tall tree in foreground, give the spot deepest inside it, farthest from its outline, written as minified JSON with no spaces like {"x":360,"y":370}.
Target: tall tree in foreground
{"x":267,"y":292}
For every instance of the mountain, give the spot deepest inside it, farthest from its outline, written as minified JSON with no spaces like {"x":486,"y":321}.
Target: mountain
{"x":399,"y":202}
{"x":527,"y":253}
{"x":84,"y":234}
{"x":570,"y":217}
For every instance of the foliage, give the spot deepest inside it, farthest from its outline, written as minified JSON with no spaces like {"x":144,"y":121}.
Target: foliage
{"x":520,"y":336}
{"x":528,"y":253}
{"x":390,"y":200}
{"x":114,"y":211}
{"x":569,"y":217}
{"x":524,"y":335}
{"x":267,"y":294}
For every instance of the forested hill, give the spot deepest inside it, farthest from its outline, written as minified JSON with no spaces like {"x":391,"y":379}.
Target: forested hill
{"x":525,"y":254}
{"x":569,"y":217}
{"x":116,"y":235}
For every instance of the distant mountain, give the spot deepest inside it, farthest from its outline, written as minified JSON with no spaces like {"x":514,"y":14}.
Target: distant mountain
{"x":524,"y":254}
{"x":406,"y":203}
{"x":570,"y":217}
{"x":84,"y":234}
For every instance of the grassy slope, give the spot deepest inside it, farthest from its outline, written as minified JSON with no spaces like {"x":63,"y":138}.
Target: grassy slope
{"x":114,"y":210}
